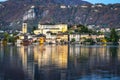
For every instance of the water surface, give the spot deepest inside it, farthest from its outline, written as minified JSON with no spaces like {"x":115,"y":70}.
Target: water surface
{"x":59,"y":62}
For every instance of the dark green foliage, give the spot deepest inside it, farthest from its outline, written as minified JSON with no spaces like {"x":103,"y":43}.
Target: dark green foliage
{"x":11,"y":39}
{"x":73,"y":40}
{"x":34,"y":28}
{"x":90,"y":40}
{"x":108,"y":39}
{"x":98,"y":40}
{"x":99,"y":33}
{"x":114,"y":36}
{"x":83,"y":29}
{"x":6,"y":35}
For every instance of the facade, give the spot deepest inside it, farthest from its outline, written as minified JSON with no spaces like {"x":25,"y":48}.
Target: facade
{"x":51,"y":38}
{"x":44,"y":29}
{"x":75,"y":36}
{"x":62,"y":37}
{"x":86,"y":36}
{"x":105,"y":29}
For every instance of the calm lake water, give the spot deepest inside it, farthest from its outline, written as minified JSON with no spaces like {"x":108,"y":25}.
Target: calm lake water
{"x":59,"y":62}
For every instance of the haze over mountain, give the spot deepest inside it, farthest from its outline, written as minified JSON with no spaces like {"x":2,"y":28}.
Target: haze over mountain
{"x":14,"y":12}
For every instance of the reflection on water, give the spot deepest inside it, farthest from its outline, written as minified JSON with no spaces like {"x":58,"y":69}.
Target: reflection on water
{"x":59,"y":62}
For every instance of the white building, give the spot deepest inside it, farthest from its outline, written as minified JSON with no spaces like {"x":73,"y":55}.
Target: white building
{"x":75,"y":36}
{"x":63,"y":7}
{"x":105,"y":30}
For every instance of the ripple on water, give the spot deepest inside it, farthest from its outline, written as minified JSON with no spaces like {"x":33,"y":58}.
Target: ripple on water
{"x":99,"y":77}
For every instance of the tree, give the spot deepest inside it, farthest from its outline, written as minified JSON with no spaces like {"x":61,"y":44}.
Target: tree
{"x":73,"y":40}
{"x":6,"y":36}
{"x":90,"y":40}
{"x":114,"y":36}
{"x":100,"y":33}
{"x":34,"y":28}
{"x":84,"y":29}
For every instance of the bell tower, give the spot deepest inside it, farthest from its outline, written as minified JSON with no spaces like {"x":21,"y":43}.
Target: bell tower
{"x":24,"y":28}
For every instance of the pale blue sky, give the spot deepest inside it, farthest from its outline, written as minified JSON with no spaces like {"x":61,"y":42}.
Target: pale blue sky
{"x":104,"y":1}
{"x":99,"y":1}
{"x":2,"y":0}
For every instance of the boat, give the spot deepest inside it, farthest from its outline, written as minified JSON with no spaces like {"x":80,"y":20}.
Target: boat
{"x":26,"y":42}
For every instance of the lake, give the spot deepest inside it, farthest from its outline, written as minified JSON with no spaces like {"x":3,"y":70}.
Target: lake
{"x":59,"y":62}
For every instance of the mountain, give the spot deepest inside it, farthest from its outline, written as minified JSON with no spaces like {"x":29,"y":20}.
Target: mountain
{"x":43,"y":2}
{"x":14,"y":12}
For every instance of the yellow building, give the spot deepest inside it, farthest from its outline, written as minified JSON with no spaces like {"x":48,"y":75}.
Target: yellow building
{"x":24,"y":27}
{"x":44,"y":29}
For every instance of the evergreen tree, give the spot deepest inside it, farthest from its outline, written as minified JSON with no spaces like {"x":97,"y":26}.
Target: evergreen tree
{"x":33,"y":28}
{"x":113,"y":36}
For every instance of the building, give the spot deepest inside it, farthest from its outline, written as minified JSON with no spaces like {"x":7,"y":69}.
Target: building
{"x":63,"y":6}
{"x":105,"y":30}
{"x":44,"y":29}
{"x":62,"y":37}
{"x":24,"y":28}
{"x":75,"y":36}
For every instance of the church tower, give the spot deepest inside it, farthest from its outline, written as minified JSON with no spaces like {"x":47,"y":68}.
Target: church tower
{"x":24,"y":28}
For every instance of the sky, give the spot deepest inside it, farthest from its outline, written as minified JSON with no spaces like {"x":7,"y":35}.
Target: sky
{"x":2,"y":0}
{"x":98,"y":1}
{"x":104,"y":1}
